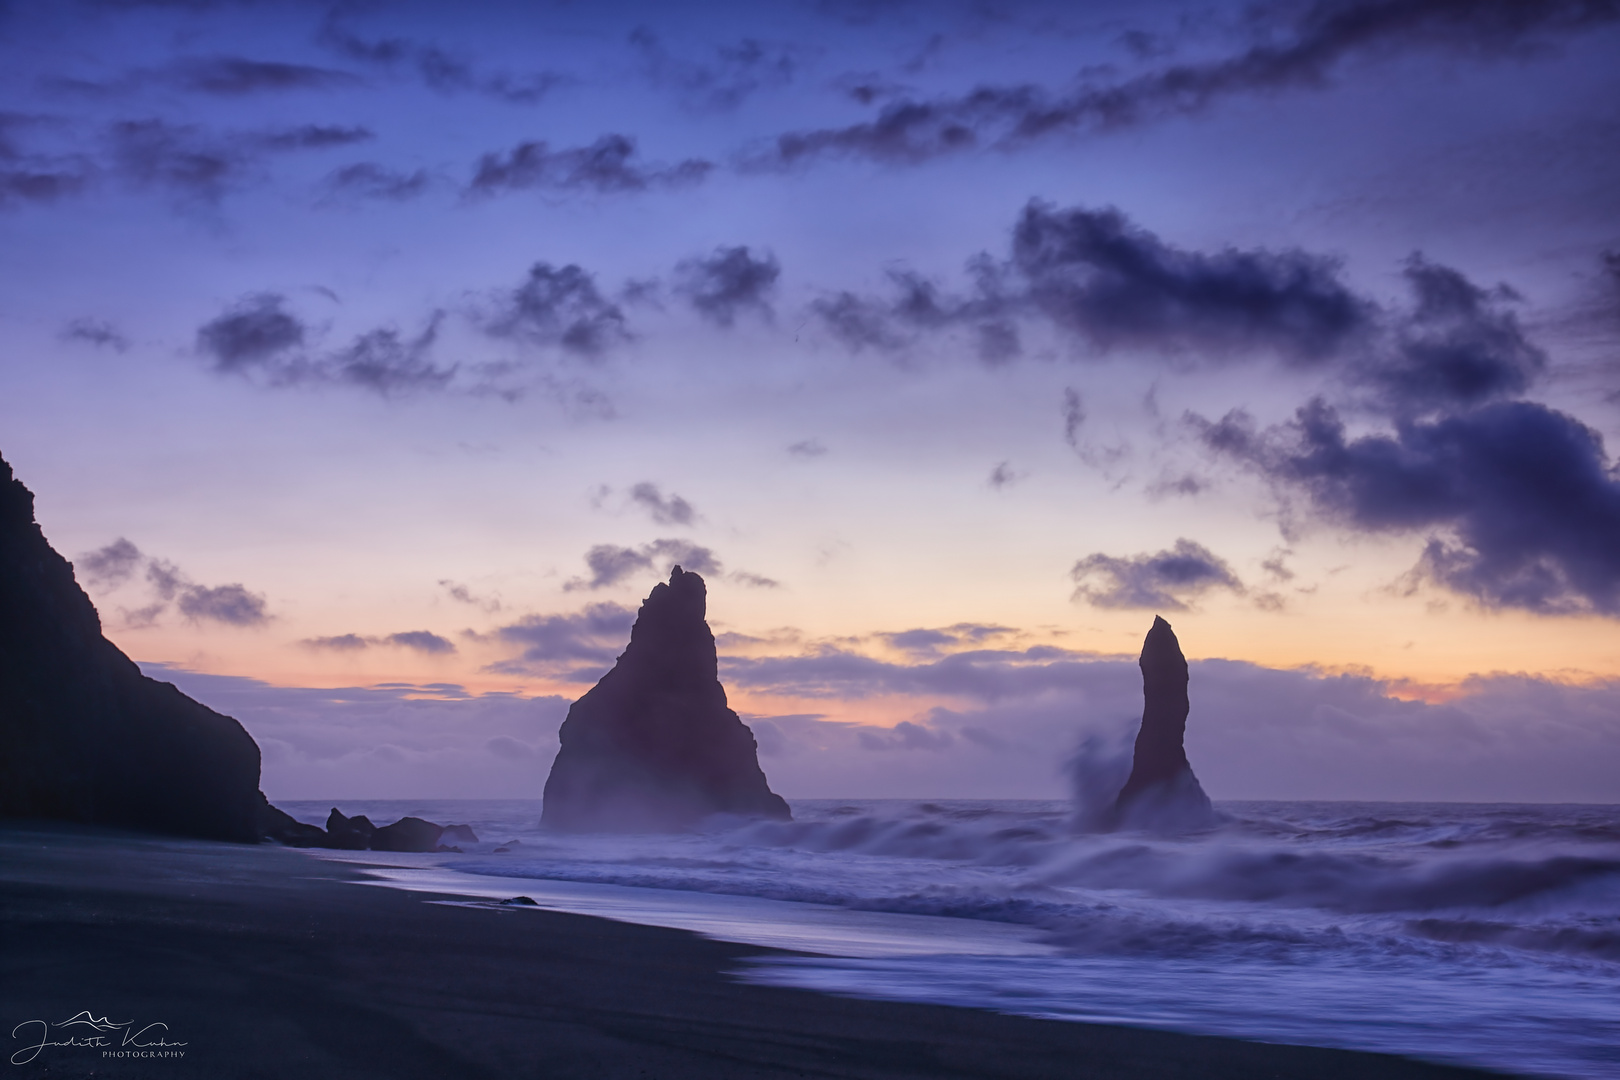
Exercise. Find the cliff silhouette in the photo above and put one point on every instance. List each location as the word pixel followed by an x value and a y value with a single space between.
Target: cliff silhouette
pixel 84 736
pixel 653 746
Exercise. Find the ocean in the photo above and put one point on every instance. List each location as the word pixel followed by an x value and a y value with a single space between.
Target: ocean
pixel 1478 934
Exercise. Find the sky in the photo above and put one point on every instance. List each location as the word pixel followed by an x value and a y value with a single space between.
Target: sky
pixel 371 361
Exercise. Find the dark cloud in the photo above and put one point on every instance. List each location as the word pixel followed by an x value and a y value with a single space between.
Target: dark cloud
pixel 807 448
pixel 386 362
pixel 439 69
pixel 259 336
pixel 368 180
pixel 607 166
pixel 859 323
pixel 1296 48
pixel 231 604
pixel 339 643
pixel 728 282
pixel 731 75
pixel 1460 345
pixel 665 510
pixel 310 137
pixel 1003 476
pixel 610 564
pixel 560 306
pixel 422 641
pixel 154 153
pixel 1074 415
pixel 594 635
pixel 256 331
pixel 1520 500
pixel 35 178
pixel 1105 283
pixel 111 566
pixel 1162 581
pixel 235 76
pixel 462 594
pixel 202 165
pixel 97 332
pixel 1115 284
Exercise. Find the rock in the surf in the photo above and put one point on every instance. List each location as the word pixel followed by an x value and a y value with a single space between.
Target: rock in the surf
pixel 407 834
pixel 1161 789
pixel 84 735
pixel 349 833
pixel 653 746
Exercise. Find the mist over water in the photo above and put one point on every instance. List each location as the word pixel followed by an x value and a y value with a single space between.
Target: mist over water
pixel 1487 934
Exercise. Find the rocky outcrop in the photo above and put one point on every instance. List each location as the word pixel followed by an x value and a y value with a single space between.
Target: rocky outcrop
pixel 84 736
pixel 349 834
pixel 1161 788
pixel 653 745
pixel 359 834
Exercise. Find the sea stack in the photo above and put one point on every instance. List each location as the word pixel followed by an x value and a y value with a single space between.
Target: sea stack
pixel 1162 787
pixel 84 736
pixel 653 746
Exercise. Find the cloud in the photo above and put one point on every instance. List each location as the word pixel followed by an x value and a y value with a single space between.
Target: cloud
pixel 230 604
pixel 551 643
pixel 1115 284
pixel 196 164
pixel 1521 502
pixel 422 641
pixel 728 282
pixel 235 76
pixel 1003 476
pixel 722 83
pixel 339 643
pixel 1460 345
pixel 97 332
pixel 254 332
pixel 1162 581
pixel 440 70
pixel 258 335
pixel 401 740
pixel 807 448
pixel 560 306
pixel 462 594
pixel 1102 282
pixel 369 180
pixel 111 566
pixel 607 166
pixel 610 564
pixel 1298 53
pixel 665 510
pixel 1074 415
pixel 904 736
pixel 1254 732
pixel 384 361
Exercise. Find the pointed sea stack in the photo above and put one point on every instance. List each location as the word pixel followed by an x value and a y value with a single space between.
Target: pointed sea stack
pixel 1162 779
pixel 653 746
pixel 84 736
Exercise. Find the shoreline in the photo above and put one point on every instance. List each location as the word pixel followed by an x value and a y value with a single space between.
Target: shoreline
pixel 265 962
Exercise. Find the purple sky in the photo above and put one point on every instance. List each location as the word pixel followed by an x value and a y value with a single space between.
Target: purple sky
pixel 400 348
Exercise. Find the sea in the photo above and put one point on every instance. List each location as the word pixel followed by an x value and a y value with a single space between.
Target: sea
pixel 1486 935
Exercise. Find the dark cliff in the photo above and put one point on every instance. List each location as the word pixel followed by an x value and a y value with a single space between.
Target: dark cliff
pixel 84 736
pixel 653 745
pixel 1161 777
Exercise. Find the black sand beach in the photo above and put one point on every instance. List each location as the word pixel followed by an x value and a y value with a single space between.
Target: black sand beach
pixel 265 962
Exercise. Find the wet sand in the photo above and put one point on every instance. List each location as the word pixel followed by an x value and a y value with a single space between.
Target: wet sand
pixel 265 962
